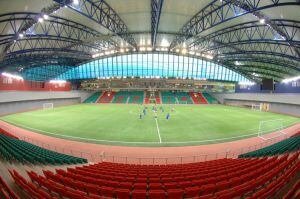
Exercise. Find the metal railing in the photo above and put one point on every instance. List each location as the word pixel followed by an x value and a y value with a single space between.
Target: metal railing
pixel 190 159
pixel 102 156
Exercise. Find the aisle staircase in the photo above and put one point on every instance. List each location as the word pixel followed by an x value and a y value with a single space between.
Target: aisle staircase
pixel 202 99
pixel 194 97
pixel 106 97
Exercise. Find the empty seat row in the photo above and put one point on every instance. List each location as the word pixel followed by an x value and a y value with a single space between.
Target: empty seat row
pixel 256 180
pixel 288 145
pixel 5 191
pixel 294 192
pixel 13 149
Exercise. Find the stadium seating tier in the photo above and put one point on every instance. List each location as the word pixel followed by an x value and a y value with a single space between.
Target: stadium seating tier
pixel 224 178
pixel 93 98
pixel 288 145
pixel 18 150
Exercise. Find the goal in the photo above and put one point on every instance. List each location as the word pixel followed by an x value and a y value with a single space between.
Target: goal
pixel 257 107
pixel 48 106
pixel 269 126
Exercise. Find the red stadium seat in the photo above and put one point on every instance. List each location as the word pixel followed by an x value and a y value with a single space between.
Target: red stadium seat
pixel 123 193
pixel 155 186
pixel 139 194
pixel 107 192
pixel 192 192
pixel 208 189
pixel 157 194
pixel 140 186
pixel 175 193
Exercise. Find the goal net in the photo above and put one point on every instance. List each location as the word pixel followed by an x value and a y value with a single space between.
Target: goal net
pixel 269 126
pixel 257 107
pixel 48 106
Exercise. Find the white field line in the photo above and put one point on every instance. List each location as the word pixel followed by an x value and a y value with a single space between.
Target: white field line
pixel 128 142
pixel 158 130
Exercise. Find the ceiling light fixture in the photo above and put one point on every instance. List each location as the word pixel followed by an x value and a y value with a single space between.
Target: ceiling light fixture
pixel 75 2
pixel 57 81
pixel 247 83
pixel 12 76
pixel 45 16
pixel 41 20
pixel 287 80
pixel 262 21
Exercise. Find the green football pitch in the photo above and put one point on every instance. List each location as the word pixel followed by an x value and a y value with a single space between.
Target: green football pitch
pixel 121 124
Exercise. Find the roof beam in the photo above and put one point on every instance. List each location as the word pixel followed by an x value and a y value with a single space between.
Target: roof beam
pixel 156 6
pixel 28 23
pixel 60 28
pixel 218 12
pixel 285 36
pixel 252 31
pixel 100 12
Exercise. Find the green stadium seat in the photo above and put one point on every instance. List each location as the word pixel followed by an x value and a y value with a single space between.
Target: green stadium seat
pixel 288 145
pixel 17 150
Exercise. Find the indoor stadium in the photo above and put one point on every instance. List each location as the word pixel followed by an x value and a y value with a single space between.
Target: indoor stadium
pixel 149 99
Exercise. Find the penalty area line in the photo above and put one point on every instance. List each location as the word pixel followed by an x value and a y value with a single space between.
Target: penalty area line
pixel 158 130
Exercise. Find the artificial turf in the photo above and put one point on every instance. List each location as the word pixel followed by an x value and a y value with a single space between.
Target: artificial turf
pixel 120 124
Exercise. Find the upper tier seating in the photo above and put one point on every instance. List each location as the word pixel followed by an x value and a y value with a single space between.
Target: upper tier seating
pixel 285 146
pixel 136 97
pixel 14 149
pixel 93 98
pixel 209 98
pixel 8 134
pixel 5 191
pixel 223 178
pixel 183 98
pixel 121 97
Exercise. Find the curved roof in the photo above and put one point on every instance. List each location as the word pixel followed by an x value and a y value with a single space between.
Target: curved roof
pixel 257 38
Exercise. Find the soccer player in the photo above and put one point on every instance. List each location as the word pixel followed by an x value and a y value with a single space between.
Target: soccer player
pixel 141 116
pixel 168 116
pixel 144 111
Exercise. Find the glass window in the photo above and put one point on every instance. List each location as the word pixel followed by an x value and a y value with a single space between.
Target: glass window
pixel 141 64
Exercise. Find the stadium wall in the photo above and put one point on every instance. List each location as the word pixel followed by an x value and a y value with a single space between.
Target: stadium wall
pixel 291 87
pixel 279 103
pixel 13 84
pixel 19 101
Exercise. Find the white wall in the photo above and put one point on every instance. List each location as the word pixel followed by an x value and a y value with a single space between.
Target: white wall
pixel 279 103
pixel 292 98
pixel 14 96
pixel 18 101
